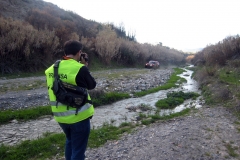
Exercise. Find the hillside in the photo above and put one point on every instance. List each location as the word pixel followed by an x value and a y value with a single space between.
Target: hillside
pixel 19 9
pixel 33 33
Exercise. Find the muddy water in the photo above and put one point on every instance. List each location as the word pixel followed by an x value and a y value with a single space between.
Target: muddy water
pixel 118 112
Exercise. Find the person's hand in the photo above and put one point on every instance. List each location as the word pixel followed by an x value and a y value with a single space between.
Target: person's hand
pixel 84 59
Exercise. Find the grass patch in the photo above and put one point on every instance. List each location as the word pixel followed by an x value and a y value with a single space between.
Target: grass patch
pixel 231 150
pixel 208 96
pixel 219 84
pixel 24 114
pixel 230 76
pixel 107 132
pixel 41 148
pixel 109 98
pixel 174 99
pixel 53 144
pixel 153 118
pixel 170 83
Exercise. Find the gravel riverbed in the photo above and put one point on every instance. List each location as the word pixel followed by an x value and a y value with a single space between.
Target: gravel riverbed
pixel 206 133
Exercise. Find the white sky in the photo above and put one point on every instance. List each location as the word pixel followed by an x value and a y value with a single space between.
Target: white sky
pixel 181 24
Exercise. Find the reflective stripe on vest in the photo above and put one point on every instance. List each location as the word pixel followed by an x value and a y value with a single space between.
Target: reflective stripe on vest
pixel 71 112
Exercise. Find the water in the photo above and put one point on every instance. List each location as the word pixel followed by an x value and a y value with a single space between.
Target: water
pixel 118 112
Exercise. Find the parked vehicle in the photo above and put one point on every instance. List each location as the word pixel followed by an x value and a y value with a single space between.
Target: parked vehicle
pixel 152 64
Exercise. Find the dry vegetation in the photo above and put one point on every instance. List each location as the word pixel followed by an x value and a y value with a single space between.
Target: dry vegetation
pixel 220 53
pixel 33 40
pixel 219 72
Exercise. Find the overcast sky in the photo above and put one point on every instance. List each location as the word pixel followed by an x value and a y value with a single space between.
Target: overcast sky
pixel 181 24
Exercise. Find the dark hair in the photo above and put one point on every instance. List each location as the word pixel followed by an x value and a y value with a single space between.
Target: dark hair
pixel 72 47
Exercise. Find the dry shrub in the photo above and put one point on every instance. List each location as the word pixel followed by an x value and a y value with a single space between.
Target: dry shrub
pixel 234 63
pixel 88 43
pixel 107 44
pixel 23 48
pixel 219 53
pixel 211 71
pixel 130 53
pixel 220 92
pixel 202 77
pixel 205 75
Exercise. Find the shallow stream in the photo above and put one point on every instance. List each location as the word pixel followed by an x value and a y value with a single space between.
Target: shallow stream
pixel 126 110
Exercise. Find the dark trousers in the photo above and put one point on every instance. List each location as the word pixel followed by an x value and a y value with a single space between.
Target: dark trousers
pixel 76 139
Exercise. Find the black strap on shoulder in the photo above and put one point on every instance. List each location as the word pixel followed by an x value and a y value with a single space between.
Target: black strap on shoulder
pixel 56 76
pixel 56 65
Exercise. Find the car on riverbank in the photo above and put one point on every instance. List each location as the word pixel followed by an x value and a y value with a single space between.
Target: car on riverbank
pixel 152 64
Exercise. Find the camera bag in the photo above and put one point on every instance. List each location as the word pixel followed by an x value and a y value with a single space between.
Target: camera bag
pixel 68 94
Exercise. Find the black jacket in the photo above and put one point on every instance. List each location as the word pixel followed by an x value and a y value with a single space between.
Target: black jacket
pixel 84 79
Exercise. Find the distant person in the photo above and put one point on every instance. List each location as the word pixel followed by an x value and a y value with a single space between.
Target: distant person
pixel 75 126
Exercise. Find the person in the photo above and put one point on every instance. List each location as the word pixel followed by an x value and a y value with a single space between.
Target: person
pixel 75 126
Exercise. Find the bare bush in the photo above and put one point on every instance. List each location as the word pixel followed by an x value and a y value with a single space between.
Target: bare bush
pixel 19 42
pixel 107 44
pixel 205 75
pixel 234 63
pixel 220 92
pixel 218 54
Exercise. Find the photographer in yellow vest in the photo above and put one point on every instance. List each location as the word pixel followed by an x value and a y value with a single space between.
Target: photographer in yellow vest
pixel 73 70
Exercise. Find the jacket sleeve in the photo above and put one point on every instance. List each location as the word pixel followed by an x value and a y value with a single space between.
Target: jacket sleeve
pixel 85 79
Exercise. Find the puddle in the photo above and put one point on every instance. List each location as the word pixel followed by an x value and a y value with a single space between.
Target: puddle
pixel 119 112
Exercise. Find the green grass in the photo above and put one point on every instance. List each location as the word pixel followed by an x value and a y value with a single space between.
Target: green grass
pixel 174 99
pixel 231 150
pixel 40 148
pixel 109 98
pixel 156 117
pixel 224 79
pixel 24 114
pixel 230 76
pixel 170 83
pixel 98 137
pixel 52 144
pixel 208 96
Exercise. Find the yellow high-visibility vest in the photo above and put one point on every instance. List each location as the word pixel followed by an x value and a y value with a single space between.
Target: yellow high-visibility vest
pixel 67 72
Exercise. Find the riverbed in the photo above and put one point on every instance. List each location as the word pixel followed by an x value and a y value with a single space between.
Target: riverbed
pixel 128 110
